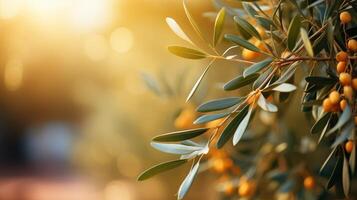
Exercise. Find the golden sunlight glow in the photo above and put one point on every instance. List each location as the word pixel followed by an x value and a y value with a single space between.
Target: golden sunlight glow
pixel 96 47
pixel 10 8
pixel 121 40
pixel 13 75
pixel 91 14
pixel 118 189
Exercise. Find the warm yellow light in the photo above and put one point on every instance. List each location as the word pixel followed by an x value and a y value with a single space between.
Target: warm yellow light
pixel 121 40
pixel 13 75
pixel 96 47
pixel 10 8
pixel 118 190
pixel 89 14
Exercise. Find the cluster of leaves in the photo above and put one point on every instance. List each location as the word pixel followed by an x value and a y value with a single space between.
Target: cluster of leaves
pixel 310 40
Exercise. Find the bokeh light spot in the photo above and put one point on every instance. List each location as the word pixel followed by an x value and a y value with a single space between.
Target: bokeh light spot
pixel 121 40
pixel 96 47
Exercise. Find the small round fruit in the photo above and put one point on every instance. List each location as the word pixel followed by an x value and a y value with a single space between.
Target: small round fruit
pixel 352 45
pixel 309 182
pixel 345 17
pixel 229 189
pixel 249 55
pixel 341 67
pixel 345 79
pixel 354 83
pixel 341 56
pixel 245 189
pixel 349 146
pixel 334 97
pixel 327 105
pixel 348 92
pixel 343 104
pixel 218 165
pixel 335 108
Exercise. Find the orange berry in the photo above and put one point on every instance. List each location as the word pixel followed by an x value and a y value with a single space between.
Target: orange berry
pixel 249 55
pixel 345 78
pixel 348 92
pixel 343 104
pixel 186 118
pixel 345 17
pixel 309 182
pixel 341 67
pixel 218 165
pixel 352 45
pixel 260 45
pixel 245 189
pixel 341 56
pixel 334 97
pixel 354 83
pixel 261 32
pixel 335 108
pixel 228 189
pixel 349 146
pixel 327 105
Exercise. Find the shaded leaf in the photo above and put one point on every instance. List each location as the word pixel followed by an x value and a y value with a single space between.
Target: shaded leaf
pixel 327 161
pixel 240 81
pixel 231 127
pixel 319 80
pixel 187 182
pixel 218 26
pixel 242 127
pixel 241 42
pixel 320 124
pixel 162 167
pixel 352 160
pixel 343 119
pixel 293 32
pixel 219 104
pixel 207 118
pixel 257 67
pixel 180 135
pixel 187 52
pixel 247 27
pixel 345 177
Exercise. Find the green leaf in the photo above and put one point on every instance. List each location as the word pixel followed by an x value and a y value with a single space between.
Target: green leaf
pixel 242 127
pixel 180 135
pixel 241 42
pixel 231 127
pixel 293 32
pixel 240 81
pixel 320 123
pixel 320 80
pixel 336 173
pixel 218 26
pixel 306 41
pixel 344 118
pixel 187 182
pixel 207 118
pixel 346 132
pixel 327 161
pixel 257 67
pixel 247 27
pixel 175 148
pixel 285 87
pixel 265 105
pixel 345 177
pixel 162 167
pixel 187 52
pixel 219 104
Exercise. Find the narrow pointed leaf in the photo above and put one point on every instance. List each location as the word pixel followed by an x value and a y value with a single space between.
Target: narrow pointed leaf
pixel 293 32
pixel 257 67
pixel 327 161
pixel 187 182
pixel 207 118
pixel 285 87
pixel 177 29
pixel 185 52
pixel 265 105
pixel 352 160
pixel 345 177
pixel 240 81
pixel 231 127
pixel 162 167
pixel 218 26
pixel 175 148
pixel 247 27
pixel 320 124
pixel 180 135
pixel 241 128
pixel 307 43
pixel 343 119
pixel 241 42
pixel 219 104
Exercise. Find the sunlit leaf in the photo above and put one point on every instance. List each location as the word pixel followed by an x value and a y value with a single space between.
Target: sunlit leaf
pixel 218 26
pixel 242 127
pixel 177 29
pixel 180 135
pixel 187 52
pixel 187 182
pixel 265 105
pixel 219 104
pixel 306 41
pixel 175 148
pixel 257 67
pixel 293 32
pixel 285 87
pixel 162 167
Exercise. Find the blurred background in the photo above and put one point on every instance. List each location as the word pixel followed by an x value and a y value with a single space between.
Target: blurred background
pixel 84 85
